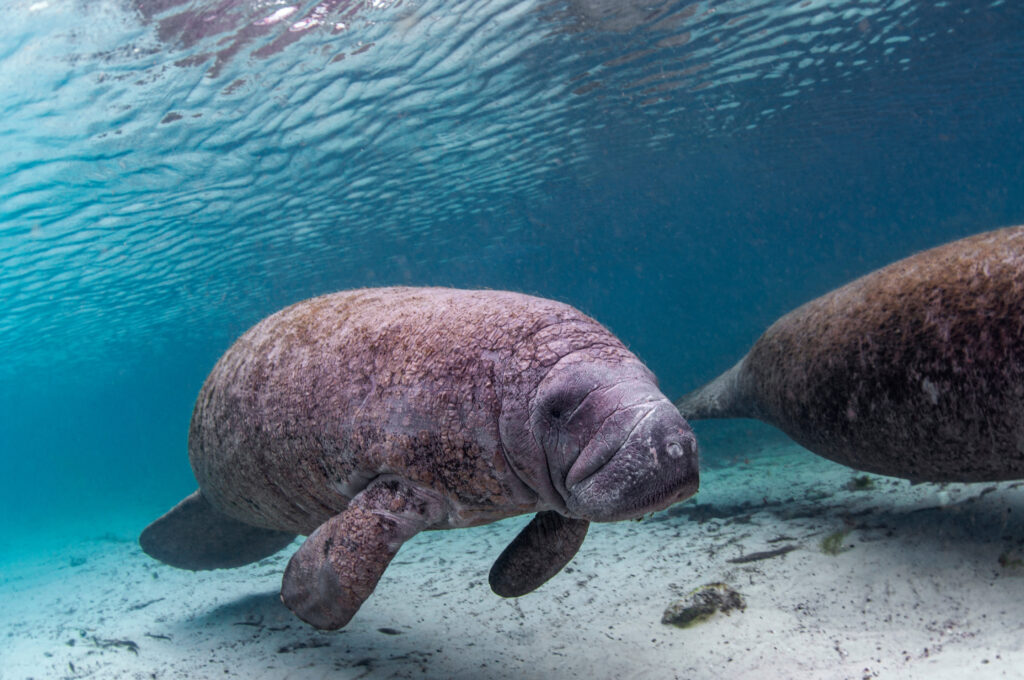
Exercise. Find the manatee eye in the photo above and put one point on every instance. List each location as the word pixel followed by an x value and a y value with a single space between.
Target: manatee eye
pixel 560 403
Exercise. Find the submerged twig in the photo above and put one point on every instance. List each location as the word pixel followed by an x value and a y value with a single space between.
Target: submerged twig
pixel 764 555
pixel 103 643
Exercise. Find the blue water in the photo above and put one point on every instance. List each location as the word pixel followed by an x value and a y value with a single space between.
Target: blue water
pixel 684 172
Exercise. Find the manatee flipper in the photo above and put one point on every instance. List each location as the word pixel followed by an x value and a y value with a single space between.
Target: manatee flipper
pixel 541 549
pixel 339 565
pixel 193 535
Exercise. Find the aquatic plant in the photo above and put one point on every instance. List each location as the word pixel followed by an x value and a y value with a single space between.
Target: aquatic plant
pixel 833 543
pixel 701 604
pixel 1009 560
pixel 862 483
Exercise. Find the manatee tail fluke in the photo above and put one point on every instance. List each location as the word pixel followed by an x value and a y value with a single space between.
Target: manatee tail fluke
pixel 193 535
pixel 723 397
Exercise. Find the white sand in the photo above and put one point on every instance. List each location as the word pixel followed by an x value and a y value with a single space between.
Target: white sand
pixel 920 593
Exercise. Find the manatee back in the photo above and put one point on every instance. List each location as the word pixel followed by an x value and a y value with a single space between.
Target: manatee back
pixel 318 399
pixel 915 370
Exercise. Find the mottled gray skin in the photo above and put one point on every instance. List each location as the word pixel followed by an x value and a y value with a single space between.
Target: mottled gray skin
pixel 915 370
pixel 363 417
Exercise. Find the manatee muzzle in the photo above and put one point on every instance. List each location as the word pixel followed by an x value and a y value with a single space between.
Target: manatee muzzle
pixel 609 439
pixel 642 459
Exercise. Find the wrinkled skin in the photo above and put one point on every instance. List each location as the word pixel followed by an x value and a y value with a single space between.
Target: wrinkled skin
pixel 363 417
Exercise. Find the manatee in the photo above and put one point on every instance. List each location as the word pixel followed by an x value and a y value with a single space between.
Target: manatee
pixel 363 417
pixel 915 370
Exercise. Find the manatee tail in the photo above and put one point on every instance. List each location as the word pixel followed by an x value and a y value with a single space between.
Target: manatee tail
pixel 193 535
pixel 724 397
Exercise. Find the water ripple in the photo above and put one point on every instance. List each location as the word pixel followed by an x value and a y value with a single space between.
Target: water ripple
pixel 168 167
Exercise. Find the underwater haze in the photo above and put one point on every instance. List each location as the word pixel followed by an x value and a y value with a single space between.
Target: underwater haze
pixel 172 171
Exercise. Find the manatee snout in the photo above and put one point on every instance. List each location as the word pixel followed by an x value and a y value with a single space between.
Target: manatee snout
pixel 641 460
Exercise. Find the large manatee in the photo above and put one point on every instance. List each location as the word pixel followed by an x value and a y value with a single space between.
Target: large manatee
pixel 363 417
pixel 915 370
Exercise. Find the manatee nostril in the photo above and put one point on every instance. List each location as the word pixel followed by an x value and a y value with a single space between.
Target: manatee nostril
pixel 675 450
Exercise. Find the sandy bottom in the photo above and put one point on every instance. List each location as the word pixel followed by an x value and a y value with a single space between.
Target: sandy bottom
pixel 928 583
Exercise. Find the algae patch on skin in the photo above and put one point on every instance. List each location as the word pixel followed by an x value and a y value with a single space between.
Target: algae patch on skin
pixel 701 604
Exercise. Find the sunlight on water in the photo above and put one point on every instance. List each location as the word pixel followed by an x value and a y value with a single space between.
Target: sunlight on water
pixel 159 161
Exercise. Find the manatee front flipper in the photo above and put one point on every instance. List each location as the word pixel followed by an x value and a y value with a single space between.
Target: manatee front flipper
pixel 193 535
pixel 339 565
pixel 539 552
